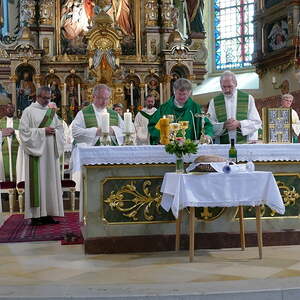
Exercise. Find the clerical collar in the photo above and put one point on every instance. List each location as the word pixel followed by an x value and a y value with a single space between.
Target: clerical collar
pixel 99 110
pixel 177 104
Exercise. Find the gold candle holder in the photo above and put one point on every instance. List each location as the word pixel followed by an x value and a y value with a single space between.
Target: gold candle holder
pixel 105 139
pixel 128 141
pixel 163 126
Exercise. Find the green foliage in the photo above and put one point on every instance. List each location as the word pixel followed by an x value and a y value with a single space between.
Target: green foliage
pixel 180 147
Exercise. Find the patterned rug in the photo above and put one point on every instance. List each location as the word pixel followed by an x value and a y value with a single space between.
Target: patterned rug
pixel 16 229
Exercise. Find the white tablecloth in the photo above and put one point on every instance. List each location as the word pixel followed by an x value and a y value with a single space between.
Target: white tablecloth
pixel 86 155
pixel 220 190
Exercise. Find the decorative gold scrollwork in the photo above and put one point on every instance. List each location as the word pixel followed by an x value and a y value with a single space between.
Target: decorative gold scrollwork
pixel 289 194
pixel 130 207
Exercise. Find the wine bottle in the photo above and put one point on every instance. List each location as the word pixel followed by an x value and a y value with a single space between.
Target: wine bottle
pixel 232 152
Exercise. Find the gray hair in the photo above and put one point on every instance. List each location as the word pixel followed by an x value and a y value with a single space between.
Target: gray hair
pixel 118 105
pixel 228 74
pixel 43 89
pixel 100 87
pixel 182 84
pixel 287 96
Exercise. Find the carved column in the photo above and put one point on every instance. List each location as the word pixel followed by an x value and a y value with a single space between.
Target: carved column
pixel 142 87
pixel 13 85
pixel 27 12
pixel 167 10
pixel 151 13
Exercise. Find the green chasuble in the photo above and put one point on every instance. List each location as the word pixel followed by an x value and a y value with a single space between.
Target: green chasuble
pixel 185 113
pixel 14 149
pixel 90 118
pixel 241 114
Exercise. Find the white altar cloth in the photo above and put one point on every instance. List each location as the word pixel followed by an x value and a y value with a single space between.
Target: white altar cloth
pixel 104 155
pixel 220 190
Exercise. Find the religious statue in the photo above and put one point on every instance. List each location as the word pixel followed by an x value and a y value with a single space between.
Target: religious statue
pixel 195 15
pixel 25 92
pixel 55 93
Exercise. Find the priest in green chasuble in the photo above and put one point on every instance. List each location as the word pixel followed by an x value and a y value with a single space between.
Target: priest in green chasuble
pixel 183 108
pixel 42 137
pixel 89 123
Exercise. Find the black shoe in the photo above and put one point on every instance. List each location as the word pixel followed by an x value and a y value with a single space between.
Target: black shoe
pixel 49 220
pixel 36 222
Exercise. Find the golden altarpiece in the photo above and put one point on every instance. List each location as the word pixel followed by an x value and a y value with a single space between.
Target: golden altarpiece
pixel 134 46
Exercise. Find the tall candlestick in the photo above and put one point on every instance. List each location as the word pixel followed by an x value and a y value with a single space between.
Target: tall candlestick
pixel 127 121
pixel 65 94
pixel 131 94
pixel 104 122
pixel 79 95
pixel 146 89
pixel 161 93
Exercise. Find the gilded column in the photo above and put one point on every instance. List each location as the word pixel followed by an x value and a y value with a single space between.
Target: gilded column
pixel 13 79
pixel 142 87
pixel 27 12
pixel 151 13
pixel 167 13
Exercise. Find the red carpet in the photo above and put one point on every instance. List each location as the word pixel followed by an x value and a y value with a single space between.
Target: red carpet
pixel 17 229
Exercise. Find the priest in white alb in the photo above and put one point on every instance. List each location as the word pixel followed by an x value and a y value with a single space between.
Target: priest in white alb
pixel 233 113
pixel 42 137
pixel 141 121
pixel 10 145
pixel 95 119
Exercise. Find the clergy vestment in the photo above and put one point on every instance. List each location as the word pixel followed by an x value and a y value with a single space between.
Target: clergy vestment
pixel 86 122
pixel 239 106
pixel 43 192
pixel 185 113
pixel 10 149
pixel 141 122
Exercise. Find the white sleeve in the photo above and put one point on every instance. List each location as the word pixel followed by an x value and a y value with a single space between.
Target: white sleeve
pixel 81 134
pixel 217 126
pixel 250 126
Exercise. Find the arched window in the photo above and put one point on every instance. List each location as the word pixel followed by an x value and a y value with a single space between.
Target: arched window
pixel 5 16
pixel 233 33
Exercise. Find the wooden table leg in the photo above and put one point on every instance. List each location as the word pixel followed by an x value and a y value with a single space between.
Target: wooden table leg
pixel 178 230
pixel 259 231
pixel 192 233
pixel 242 228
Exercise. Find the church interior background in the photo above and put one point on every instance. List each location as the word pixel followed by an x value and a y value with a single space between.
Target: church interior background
pixel 142 47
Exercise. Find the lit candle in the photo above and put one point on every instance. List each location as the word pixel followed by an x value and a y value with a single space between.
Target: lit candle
pixel 131 94
pixel 146 89
pixel 161 93
pixel 65 94
pixel 79 95
pixel 273 79
pixel 104 124
pixel 49 85
pixel 127 121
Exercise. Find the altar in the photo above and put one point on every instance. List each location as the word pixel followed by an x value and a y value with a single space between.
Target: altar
pixel 121 199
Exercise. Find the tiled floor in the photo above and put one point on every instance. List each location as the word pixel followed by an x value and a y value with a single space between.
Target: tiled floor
pixel 50 263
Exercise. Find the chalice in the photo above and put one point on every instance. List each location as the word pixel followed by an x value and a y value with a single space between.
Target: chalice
pixel 184 125
pixel 174 128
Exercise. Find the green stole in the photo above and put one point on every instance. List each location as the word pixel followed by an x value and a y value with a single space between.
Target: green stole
pixel 90 118
pixel 14 150
pixel 34 164
pixel 144 114
pixel 241 114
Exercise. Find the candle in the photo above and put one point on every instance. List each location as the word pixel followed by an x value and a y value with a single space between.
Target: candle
pixel 273 79
pixel 127 121
pixel 146 89
pixel 49 85
pixel 161 93
pixel 65 94
pixel 79 95
pixel 104 124
pixel 131 94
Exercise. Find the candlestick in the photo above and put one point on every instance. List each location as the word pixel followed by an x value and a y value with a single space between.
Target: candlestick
pixel 146 89
pixel 79 95
pixel 161 93
pixel 127 121
pixel 131 93
pixel 105 122
pixel 273 79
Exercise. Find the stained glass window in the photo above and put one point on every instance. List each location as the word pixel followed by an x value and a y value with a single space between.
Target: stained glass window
pixel 233 33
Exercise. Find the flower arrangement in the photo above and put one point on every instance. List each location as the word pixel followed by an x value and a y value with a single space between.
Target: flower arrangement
pixel 180 147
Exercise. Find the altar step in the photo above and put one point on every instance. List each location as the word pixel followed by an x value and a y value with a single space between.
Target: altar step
pixel 268 289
